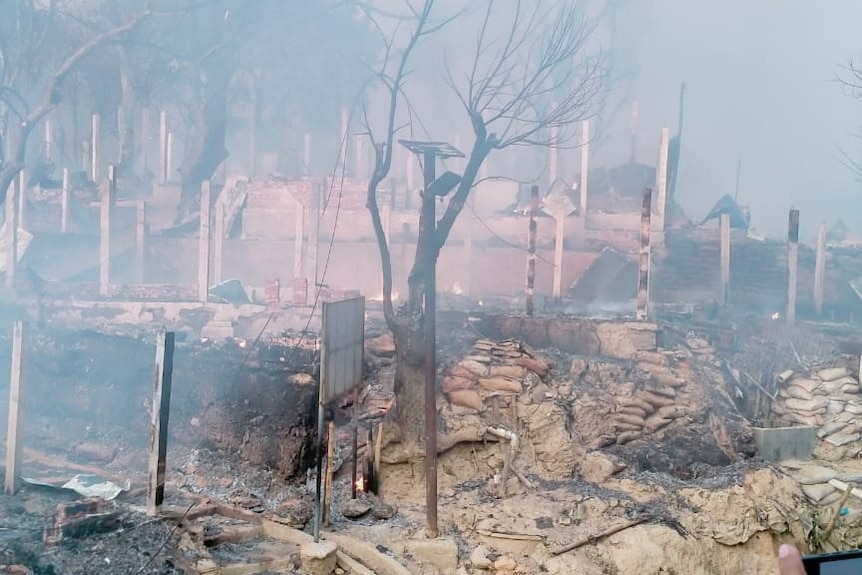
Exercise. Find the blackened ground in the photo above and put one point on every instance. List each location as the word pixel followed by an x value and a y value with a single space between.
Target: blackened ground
pixel 86 398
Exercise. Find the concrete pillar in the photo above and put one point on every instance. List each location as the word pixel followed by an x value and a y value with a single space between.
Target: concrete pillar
pixel 13 429
pixel 204 245
pixel 105 205
pixel 313 238
pixel 160 418
pixel 64 202
pixel 661 180
pixel 163 148
pixel 644 263
pixel 299 240
pixel 218 248
pixel 306 155
pixel 792 263
pixel 49 141
pixel 559 246
pixel 11 234
pixel 553 154
pixel 820 270
pixel 724 249
pixel 145 140
pixel 360 171
pixel 95 148
pixel 22 200
pixel 140 239
pixel 169 157
pixel 585 166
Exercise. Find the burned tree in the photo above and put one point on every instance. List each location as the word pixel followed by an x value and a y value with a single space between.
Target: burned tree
pixel 538 73
pixel 850 78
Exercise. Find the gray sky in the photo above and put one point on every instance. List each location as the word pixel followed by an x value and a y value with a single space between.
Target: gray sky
pixel 760 79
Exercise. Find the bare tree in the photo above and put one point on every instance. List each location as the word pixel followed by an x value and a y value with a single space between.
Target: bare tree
pixel 28 118
pixel 537 74
pixel 850 78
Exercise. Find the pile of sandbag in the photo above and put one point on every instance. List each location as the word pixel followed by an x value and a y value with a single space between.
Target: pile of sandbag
pixel 829 399
pixel 650 408
pixel 494 369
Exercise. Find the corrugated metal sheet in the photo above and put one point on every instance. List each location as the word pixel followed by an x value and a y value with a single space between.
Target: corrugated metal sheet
pixel 342 344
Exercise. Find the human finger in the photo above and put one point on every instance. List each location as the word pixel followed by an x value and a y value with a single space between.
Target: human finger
pixel 790 561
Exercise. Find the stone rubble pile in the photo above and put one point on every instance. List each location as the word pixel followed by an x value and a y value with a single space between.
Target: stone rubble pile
pixel 828 399
pixel 494 369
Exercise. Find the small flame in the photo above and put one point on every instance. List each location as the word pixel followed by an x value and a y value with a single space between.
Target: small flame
pixel 776 316
pixel 481 303
pixel 360 485
pixel 456 288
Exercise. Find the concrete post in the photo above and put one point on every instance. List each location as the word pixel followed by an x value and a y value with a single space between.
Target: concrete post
pixel 11 234
pixel 13 430
pixel 105 205
pixel 163 148
pixel 204 245
pixel 724 239
pixel 169 157
pixel 553 153
pixel 531 249
pixel 64 202
pixel 559 247
pixel 95 148
pixel 306 155
pixel 792 263
pixel 49 141
pixel 661 180
pixel 820 270
pixel 361 160
pixel 585 166
pixel 299 240
pixel 313 237
pixel 140 239
pixel 22 200
pixel 218 248
pixel 644 263
pixel 145 140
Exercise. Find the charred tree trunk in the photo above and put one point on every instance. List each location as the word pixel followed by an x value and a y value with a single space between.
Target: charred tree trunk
pixel 208 149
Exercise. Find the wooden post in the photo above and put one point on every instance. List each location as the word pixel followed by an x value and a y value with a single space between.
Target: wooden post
pixel 330 472
pixel 140 238
pixel 145 140
pixel 558 255
pixel 820 270
pixel 22 200
pixel 64 202
pixel 163 148
pixel 49 141
pixel 13 446
pixel 306 155
pixel 105 205
pixel 204 245
pixel 160 416
pixel 299 240
pixel 661 179
pixel 218 247
pixel 531 249
pixel 792 263
pixel 553 153
pixel 11 234
pixel 585 166
pixel 169 157
pixel 644 264
pixel 94 149
pixel 724 250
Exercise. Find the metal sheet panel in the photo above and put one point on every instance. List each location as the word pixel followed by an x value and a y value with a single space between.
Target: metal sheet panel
pixel 342 345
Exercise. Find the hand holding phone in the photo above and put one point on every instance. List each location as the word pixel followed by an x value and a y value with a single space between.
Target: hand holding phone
pixel 841 563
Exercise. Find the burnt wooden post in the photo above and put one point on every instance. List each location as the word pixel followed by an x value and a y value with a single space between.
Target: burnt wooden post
pixel 163 148
pixel 724 240
pixel 204 245
pixel 820 270
pixel 661 180
pixel 531 249
pixel 95 148
pixel 644 264
pixel 585 165
pixel 105 205
pixel 64 202
pixel 13 446
pixel 792 263
pixel 11 233
pixel 160 415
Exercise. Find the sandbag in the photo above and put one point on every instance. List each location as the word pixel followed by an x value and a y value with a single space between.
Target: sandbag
pixel 807 384
pixel 853 408
pixel 620 426
pixel 663 391
pixel 654 424
pixel 510 371
pixel 835 407
pixel 501 384
pixel 852 388
pixel 842 439
pixel 834 386
pixel 454 383
pixel 832 373
pixel 475 367
pixel 672 412
pixel 654 399
pixel 797 392
pixel 466 398
pixel 630 419
pixel 831 428
pixel 636 411
pixel 628 436
pixel 636 402
pixel 818 402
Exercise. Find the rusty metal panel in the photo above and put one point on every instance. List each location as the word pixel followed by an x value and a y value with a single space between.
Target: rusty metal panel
pixel 342 345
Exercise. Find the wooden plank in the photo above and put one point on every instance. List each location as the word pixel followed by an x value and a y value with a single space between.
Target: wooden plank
pixel 13 446
pixel 160 416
